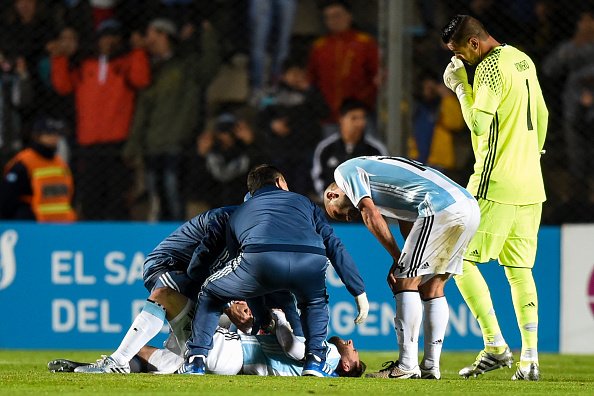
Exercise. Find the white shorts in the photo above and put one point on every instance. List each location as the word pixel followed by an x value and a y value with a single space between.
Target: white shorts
pixel 225 358
pixel 165 361
pixel 436 244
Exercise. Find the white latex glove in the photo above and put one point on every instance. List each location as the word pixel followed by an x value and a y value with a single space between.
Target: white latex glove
pixel 362 307
pixel 455 77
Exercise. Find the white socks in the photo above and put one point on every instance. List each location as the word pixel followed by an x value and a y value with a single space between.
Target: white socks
pixel 181 325
pixel 146 325
pixel 409 313
pixel 435 322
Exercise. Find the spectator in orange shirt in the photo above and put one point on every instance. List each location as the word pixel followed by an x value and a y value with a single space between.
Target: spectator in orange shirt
pixel 344 63
pixel 104 86
pixel 37 183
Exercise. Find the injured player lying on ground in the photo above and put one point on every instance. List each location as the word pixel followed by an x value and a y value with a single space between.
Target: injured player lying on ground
pixel 279 353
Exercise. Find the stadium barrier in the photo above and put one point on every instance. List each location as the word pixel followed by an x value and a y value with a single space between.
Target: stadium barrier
pixel 79 286
pixel 577 285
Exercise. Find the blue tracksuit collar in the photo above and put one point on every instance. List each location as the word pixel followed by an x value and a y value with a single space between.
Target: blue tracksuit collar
pixel 265 189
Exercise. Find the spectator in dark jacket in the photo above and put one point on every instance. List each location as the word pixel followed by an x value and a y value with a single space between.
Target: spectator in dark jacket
pixel 350 142
pixel 229 150
pixel 290 117
pixel 16 92
pixel 24 32
pixel 168 112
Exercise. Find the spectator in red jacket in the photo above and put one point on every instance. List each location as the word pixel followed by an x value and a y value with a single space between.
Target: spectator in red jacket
pixel 104 86
pixel 344 63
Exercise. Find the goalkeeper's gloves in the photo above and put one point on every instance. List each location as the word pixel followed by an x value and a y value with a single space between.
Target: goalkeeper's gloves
pixel 362 307
pixel 455 77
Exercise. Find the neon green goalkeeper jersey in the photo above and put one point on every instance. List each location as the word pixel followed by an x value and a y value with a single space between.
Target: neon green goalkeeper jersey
pixel 507 156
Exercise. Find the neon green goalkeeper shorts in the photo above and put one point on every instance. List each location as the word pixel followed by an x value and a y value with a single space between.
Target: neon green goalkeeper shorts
pixel 507 233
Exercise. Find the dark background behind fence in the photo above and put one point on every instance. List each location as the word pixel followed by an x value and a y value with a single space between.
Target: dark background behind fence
pixel 170 102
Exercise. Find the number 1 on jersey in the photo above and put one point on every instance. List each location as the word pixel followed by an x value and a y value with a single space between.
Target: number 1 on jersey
pixel 528 116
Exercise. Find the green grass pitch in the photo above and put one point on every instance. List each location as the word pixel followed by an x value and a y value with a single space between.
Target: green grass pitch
pixel 25 372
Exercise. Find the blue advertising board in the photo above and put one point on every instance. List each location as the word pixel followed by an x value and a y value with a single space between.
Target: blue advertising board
pixel 463 332
pixel 79 286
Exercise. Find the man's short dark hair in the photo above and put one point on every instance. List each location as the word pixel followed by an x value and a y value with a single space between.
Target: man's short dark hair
pixel 461 28
pixel 356 371
pixel 350 104
pixel 262 175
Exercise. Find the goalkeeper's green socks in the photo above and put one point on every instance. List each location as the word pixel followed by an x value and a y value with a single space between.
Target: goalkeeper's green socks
pixel 525 299
pixel 476 293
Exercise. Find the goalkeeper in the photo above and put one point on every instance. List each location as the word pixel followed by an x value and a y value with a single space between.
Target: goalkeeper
pixel 507 115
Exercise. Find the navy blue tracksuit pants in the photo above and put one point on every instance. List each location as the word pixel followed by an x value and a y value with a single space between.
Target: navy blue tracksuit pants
pixel 255 274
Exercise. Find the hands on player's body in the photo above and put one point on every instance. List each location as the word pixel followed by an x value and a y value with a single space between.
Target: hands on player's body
pixel 405 227
pixel 378 226
pixel 350 364
pixel 240 315
pixel 391 279
pixel 376 223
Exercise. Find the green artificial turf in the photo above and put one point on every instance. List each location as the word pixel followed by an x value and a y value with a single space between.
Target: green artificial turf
pixel 25 372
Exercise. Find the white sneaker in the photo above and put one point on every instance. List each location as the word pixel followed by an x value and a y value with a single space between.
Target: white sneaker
pixel 486 361
pixel 393 370
pixel 430 373
pixel 530 373
pixel 64 365
pixel 105 365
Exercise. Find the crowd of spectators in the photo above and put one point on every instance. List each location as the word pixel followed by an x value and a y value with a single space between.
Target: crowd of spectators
pixel 130 81
pixel 559 38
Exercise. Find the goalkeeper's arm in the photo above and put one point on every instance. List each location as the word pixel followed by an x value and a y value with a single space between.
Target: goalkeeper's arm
pixel 477 120
pixel 542 121
pixel 456 79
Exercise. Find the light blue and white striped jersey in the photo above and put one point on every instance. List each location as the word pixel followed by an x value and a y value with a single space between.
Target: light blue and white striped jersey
pixel 263 355
pixel 399 187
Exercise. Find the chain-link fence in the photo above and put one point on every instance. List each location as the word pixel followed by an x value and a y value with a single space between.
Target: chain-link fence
pixel 168 103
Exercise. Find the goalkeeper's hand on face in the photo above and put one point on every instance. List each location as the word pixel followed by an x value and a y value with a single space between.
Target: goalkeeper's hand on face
pixel 362 308
pixel 455 77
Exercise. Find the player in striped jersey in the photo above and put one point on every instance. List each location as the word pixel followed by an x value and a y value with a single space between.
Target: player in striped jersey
pixel 173 275
pixel 507 115
pixel 278 354
pixel 437 217
pixel 284 243
pixel 171 290
pixel 284 354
